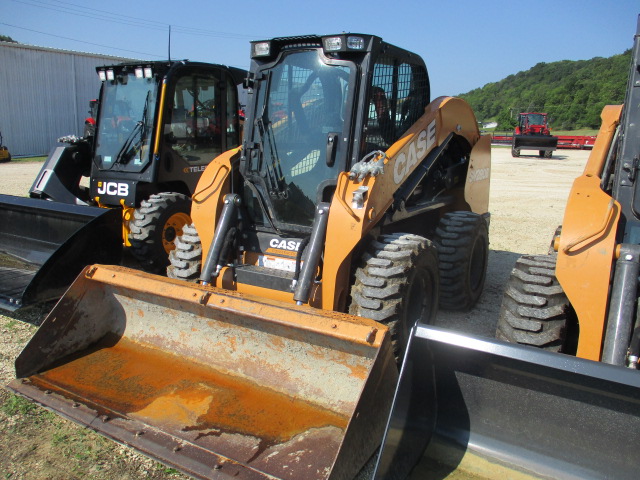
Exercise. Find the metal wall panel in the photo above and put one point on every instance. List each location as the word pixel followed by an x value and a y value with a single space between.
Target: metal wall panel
pixel 45 94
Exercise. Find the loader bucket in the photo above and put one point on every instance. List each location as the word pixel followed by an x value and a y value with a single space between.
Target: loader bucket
pixel 489 409
pixel 215 383
pixel 542 143
pixel 44 245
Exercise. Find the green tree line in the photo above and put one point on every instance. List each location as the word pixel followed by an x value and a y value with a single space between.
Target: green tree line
pixel 573 93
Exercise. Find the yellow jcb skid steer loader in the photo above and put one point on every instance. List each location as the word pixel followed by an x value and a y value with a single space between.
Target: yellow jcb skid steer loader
pixel 347 195
pixel 158 125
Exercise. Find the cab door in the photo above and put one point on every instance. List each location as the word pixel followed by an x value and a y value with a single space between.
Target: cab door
pixel 200 122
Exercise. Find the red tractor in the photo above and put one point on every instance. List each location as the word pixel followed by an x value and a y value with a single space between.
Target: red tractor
pixel 532 133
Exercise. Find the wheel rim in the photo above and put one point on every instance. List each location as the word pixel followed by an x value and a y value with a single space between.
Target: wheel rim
pixel 173 229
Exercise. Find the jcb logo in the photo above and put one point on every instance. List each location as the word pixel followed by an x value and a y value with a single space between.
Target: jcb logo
pixel 113 188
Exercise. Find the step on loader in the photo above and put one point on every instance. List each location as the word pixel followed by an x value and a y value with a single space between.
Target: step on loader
pixel 346 196
pixel 157 125
pixel 582 298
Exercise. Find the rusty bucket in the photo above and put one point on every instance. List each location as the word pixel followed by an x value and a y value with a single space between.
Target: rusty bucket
pixel 214 383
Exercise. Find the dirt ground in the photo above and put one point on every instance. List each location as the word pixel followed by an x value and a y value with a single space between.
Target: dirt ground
pixel 528 195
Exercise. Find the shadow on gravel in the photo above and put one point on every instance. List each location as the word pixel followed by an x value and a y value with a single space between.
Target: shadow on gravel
pixel 34 315
pixel 483 317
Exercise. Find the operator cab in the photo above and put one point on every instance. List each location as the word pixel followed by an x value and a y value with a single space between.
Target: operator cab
pixel 307 128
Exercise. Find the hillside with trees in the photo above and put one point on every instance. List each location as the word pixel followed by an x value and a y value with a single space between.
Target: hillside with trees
pixel 571 92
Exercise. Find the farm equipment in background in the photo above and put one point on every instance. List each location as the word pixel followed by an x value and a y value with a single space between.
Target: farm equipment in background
pixel 90 121
pixel 158 125
pixel 346 196
pixel 569 142
pixel 533 133
pixel 5 156
pixel 584 299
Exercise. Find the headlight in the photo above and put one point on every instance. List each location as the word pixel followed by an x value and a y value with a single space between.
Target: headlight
pixel 343 43
pixel 332 44
pixel 261 49
pixel 355 43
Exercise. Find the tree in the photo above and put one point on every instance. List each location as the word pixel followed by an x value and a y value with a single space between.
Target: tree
pixel 505 120
pixel 6 38
pixel 571 92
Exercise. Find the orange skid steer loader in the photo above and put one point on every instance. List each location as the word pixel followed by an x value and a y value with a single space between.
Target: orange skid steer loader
pixel 352 192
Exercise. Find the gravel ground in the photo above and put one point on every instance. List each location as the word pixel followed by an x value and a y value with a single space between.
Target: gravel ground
pixel 527 200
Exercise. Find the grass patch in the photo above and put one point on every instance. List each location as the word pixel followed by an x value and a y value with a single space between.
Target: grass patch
pixel 28 159
pixel 16 405
pixel 168 470
pixel 11 325
pixel 584 131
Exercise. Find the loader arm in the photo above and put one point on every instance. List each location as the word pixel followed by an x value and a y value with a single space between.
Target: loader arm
pixel 351 219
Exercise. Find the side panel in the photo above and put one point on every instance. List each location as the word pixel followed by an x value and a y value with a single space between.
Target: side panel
pixel 587 243
pixel 476 190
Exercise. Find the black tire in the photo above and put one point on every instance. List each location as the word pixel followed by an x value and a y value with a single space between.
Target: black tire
pixel 515 152
pixel 535 310
pixel 186 259
pixel 548 154
pixel 463 249
pixel 154 228
pixel 397 284
pixel 541 153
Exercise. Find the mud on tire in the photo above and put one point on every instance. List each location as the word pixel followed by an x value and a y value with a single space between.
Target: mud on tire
pixel 463 251
pixel 186 259
pixel 535 310
pixel 155 226
pixel 397 284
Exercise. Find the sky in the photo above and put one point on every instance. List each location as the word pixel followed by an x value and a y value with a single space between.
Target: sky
pixel 465 44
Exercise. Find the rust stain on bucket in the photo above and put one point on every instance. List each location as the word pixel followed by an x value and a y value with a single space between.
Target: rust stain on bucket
pixel 164 390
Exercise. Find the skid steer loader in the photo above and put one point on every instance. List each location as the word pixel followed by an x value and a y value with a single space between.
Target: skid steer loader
pixel 583 300
pixel 348 194
pixel 158 125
